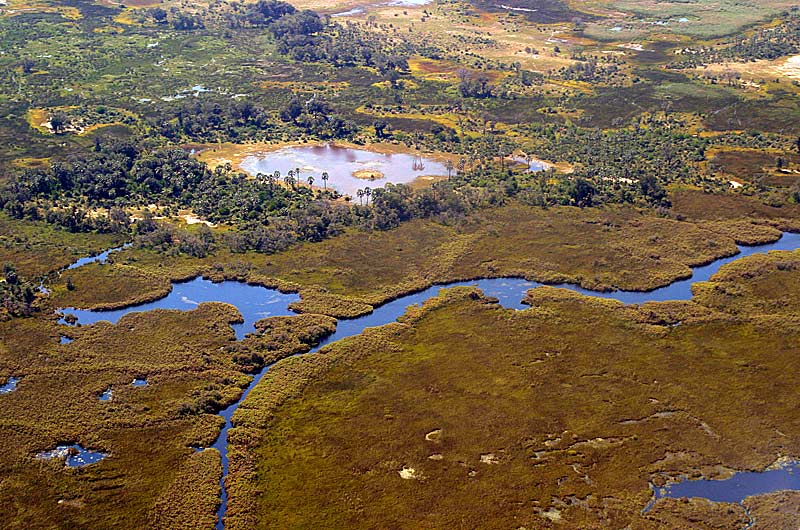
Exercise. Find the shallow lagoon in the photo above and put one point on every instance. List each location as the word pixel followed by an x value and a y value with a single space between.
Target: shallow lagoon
pixel 254 302
pixel 341 163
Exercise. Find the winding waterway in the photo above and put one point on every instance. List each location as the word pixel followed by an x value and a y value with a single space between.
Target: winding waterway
pixel 255 303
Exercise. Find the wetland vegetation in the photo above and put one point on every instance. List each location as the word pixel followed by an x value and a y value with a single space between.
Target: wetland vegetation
pixel 273 177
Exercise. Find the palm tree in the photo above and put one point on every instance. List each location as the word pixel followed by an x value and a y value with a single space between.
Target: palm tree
pixel 360 194
pixel 367 192
pixel 297 173
pixel 449 167
pixel 325 178
pixel 310 181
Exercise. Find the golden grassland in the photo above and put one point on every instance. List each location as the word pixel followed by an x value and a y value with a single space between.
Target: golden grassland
pixel 746 165
pixel 562 413
pixel 36 248
pixel 152 477
pixel 510 37
pixel 699 207
pixel 182 356
pixel 19 7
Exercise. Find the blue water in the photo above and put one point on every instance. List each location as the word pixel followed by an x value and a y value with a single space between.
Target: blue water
pixel 83 457
pixel 255 303
pixel 139 382
pixel 107 394
pixel 97 258
pixel 736 488
pixel 10 385
pixel 65 340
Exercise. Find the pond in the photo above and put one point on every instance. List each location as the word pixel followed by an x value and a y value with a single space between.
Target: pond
pixel 734 489
pixel 74 455
pixel 344 165
pixel 9 386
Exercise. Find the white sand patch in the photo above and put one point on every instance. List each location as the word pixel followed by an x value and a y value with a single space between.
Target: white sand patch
pixel 791 68
pixel 436 456
pixel 489 458
pixel 434 436
pixel 409 473
pixel 552 514
pixel 735 184
pixel 194 220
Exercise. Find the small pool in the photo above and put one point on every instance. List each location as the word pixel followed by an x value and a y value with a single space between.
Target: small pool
pixel 74 455
pixel 10 385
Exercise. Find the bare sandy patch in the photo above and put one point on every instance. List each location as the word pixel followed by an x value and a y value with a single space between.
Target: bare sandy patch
pixel 368 174
pixel 409 473
pixel 434 436
pixel 791 67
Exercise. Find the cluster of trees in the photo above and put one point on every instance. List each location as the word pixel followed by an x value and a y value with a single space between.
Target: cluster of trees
pixel 639 159
pixel 317 118
pixel 270 211
pixel 179 20
pixel 767 43
pixel 16 294
pixel 590 71
pixel 306 36
pixel 474 86
pixel 202 120
pixel 205 121
pixel 116 174
pixel 166 237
